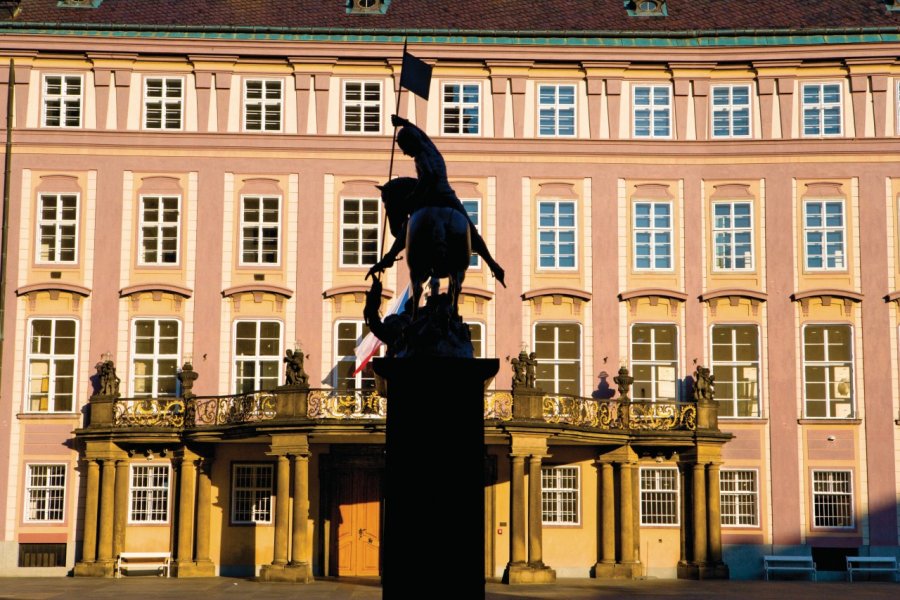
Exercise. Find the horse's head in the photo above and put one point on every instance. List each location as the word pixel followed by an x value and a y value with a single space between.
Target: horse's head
pixel 395 194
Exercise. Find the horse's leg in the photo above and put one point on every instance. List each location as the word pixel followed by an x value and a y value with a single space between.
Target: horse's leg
pixel 416 294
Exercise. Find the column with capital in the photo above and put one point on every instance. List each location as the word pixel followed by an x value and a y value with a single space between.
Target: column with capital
pixel 626 516
pixel 282 501
pixel 517 554
pixel 203 565
pixel 107 499
pixel 187 478
pixel 714 522
pixel 292 537
pixel 606 567
pixel 121 507
pixel 85 568
pixel 699 505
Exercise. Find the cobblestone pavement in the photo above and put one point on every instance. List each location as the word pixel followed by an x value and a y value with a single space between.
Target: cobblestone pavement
pixel 139 588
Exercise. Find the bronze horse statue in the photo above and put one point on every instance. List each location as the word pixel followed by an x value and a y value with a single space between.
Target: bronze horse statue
pixel 436 238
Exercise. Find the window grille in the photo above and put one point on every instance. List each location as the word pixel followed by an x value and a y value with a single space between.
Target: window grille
pixel 251 494
pixel 832 499
pixel 559 495
pixel 149 494
pixel 659 496
pixel 45 493
pixel 739 497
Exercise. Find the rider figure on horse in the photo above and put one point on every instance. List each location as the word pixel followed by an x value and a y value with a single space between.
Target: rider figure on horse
pixel 432 189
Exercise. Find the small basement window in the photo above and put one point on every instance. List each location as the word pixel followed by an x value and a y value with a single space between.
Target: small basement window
pixel 42 555
pixel 646 8
pixel 367 7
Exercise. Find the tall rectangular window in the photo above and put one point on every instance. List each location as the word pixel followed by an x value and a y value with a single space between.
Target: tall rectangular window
pixel 149 500
pixel 558 349
pixel 45 493
pixel 262 104
pixel 559 495
pixel 654 362
pixel 828 371
pixel 461 108
pixel 832 499
pixel 821 109
pixel 823 235
pixel 257 355
pixel 733 235
pixel 476 334
pixel 52 345
pixel 735 365
pixel 652 111
pixel 251 494
pixel 154 359
pixel 659 496
pixel 160 230
pixel 652 236
pixel 359 231
pixel 260 228
pixel 556 110
pixel 57 228
pixel 556 234
pixel 348 335
pixel 739 493
pixel 62 101
pixel 163 102
pixel 362 107
pixel 731 111
pixel 473 209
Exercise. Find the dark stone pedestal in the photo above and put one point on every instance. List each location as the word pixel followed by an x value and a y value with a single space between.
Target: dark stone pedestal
pixel 434 476
pixel 100 568
pixel 293 573
pixel 617 570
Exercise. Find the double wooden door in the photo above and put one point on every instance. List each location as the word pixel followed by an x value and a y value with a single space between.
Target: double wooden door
pixel 356 522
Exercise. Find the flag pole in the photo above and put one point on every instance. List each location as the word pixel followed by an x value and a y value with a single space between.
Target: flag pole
pixel 393 147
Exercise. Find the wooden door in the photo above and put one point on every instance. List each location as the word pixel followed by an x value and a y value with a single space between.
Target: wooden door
pixel 357 515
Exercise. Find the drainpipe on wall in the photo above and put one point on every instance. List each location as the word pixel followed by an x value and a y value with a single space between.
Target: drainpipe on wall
pixel 4 228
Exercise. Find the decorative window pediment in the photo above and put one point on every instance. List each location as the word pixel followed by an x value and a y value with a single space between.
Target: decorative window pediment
pixel 367 7
pixel 646 8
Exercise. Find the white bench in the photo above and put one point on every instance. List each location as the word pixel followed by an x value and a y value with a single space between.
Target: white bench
pixel 871 564
pixel 157 562
pixel 791 564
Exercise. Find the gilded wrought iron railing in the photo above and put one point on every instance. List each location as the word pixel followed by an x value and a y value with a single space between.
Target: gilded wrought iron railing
pixel 346 404
pixel 227 410
pixel 149 412
pixel 498 405
pixel 613 414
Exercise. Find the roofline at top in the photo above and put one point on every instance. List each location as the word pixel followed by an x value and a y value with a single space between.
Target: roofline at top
pixel 698 37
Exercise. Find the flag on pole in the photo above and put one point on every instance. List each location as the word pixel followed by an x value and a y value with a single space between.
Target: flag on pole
pixel 370 344
pixel 415 75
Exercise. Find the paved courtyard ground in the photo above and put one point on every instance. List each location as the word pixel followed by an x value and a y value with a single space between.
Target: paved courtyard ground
pixel 139 588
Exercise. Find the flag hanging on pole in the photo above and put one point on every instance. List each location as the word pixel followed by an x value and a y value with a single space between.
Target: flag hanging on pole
pixel 370 344
pixel 415 75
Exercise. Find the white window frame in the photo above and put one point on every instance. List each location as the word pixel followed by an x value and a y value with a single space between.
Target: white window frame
pixel 360 227
pixel 362 104
pixel 821 107
pixel 58 223
pixel 824 230
pixel 167 104
pixel 651 109
pixel 48 494
pixel 654 363
pixel 461 107
pixel 737 364
pixel 556 111
pixel 265 105
pixel 555 498
pixel 831 492
pixel 154 356
pixel 475 260
pixel 149 493
pixel 556 361
pixel 257 358
pixel 652 230
pixel 669 520
pixel 159 227
pixel 830 386
pixel 732 231
pixel 737 495
pixel 53 358
pixel 479 326
pixel 360 382
pixel 258 494
pixel 65 100
pixel 557 231
pixel 729 109
pixel 259 227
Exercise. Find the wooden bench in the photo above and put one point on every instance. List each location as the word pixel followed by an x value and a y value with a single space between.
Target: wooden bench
pixel 789 564
pixel 157 562
pixel 871 564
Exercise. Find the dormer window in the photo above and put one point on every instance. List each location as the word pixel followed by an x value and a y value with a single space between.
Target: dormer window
pixel 367 7
pixel 78 3
pixel 646 8
pixel 892 5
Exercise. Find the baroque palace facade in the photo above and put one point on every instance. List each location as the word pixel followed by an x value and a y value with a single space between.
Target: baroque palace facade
pixel 190 193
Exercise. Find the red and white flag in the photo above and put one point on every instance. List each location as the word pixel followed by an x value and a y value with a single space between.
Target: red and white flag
pixel 370 344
